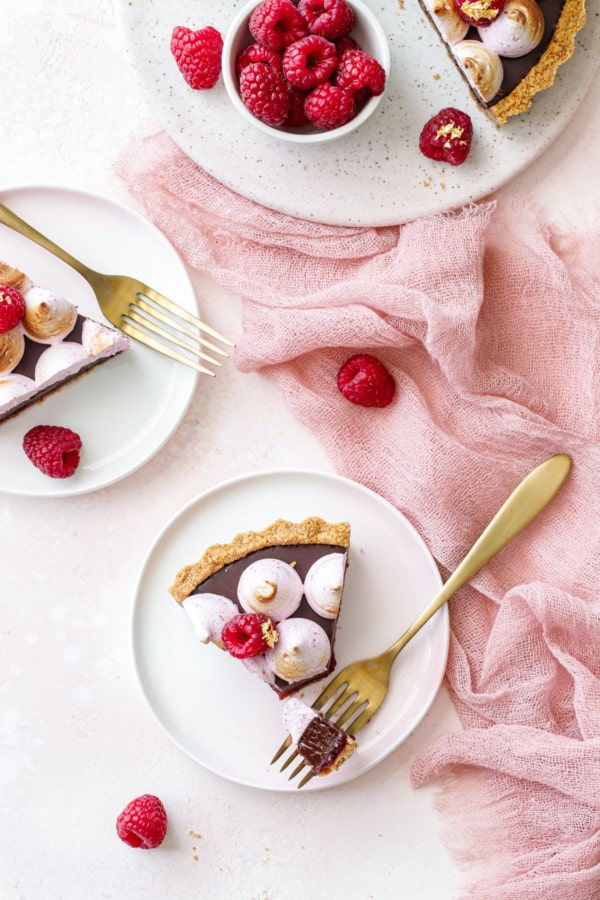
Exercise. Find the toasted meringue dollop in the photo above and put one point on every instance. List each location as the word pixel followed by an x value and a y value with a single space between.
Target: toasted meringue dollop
pixel 12 347
pixel 14 386
pixel 270 586
pixel 258 666
pixel 209 613
pixel 58 358
pixel 47 318
pixel 296 717
pixel 482 67
pixel 517 31
pixel 323 584
pixel 453 28
pixel 302 651
pixel 95 338
pixel 14 277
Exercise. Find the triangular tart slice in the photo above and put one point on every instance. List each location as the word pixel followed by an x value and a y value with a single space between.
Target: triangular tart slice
pixel 50 346
pixel 515 50
pixel 271 598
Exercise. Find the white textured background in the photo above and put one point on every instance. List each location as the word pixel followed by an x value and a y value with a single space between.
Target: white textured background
pixel 76 741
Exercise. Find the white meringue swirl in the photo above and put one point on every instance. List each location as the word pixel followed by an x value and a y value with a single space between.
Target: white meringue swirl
pixel 270 586
pixel 96 338
pixel 12 348
pixel 209 613
pixel 58 359
pixel 14 386
pixel 323 584
pixel 302 651
pixel 517 31
pixel 482 67
pixel 296 717
pixel 452 27
pixel 47 318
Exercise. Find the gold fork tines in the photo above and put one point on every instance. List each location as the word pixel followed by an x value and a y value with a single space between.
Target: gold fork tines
pixel 358 691
pixel 139 310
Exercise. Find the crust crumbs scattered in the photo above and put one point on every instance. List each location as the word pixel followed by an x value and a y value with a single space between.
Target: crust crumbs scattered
pixel 280 533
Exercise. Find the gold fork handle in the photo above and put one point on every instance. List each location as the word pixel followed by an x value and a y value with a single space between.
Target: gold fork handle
pixel 527 500
pixel 12 220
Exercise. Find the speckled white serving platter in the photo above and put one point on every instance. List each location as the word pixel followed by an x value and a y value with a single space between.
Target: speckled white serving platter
pixel 375 176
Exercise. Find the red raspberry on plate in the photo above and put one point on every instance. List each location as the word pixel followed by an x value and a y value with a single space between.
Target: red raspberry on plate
pixel 328 106
pixel 358 70
pixel 309 62
pixel 365 381
pixel 143 822
pixel 265 93
pixel 479 13
pixel 12 307
pixel 332 19
pixel 447 137
pixel 54 450
pixel 249 634
pixel 277 24
pixel 256 53
pixel 198 55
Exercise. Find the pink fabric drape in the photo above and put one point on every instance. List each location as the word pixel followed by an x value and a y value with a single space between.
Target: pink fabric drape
pixel 490 324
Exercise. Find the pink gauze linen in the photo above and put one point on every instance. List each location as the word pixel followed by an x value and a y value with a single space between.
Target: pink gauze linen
pixel 490 324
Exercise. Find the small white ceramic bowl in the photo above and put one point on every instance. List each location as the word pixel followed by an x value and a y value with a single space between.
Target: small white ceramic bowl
pixel 368 34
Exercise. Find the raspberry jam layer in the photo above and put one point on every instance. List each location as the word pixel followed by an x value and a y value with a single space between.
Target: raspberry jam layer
pixel 224 582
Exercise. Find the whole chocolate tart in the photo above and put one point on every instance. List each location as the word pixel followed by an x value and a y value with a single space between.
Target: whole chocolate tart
pixel 515 50
pixel 49 347
pixel 288 580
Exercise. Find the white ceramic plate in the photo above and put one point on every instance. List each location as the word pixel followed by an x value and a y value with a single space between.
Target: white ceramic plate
pixel 125 409
pixel 209 705
pixel 396 182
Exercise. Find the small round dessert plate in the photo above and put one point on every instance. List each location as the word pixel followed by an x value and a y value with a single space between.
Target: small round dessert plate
pixel 228 720
pixel 127 408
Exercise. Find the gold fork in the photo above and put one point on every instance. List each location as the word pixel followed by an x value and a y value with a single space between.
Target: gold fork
pixel 360 689
pixel 128 303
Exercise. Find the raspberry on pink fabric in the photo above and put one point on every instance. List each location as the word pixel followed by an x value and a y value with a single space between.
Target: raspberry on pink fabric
pixel 488 321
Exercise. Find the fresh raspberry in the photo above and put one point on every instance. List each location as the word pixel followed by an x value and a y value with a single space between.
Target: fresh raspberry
pixel 256 53
pixel 198 55
pixel 249 634
pixel 54 450
pixel 329 106
pixel 143 822
pixel 345 43
pixel 265 93
pixel 479 13
pixel 12 307
pixel 277 24
pixel 447 137
pixel 332 19
pixel 365 381
pixel 296 116
pixel 358 70
pixel 309 62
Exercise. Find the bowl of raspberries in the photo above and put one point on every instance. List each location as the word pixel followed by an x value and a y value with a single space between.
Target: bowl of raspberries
pixel 306 71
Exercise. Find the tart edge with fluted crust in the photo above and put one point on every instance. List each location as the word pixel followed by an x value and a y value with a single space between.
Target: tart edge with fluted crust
pixel 280 533
pixel 542 75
